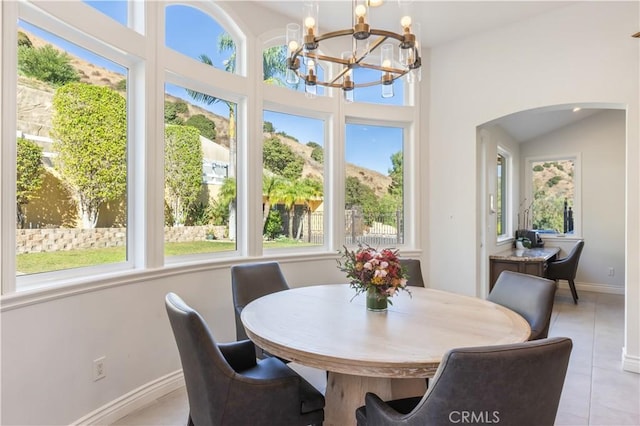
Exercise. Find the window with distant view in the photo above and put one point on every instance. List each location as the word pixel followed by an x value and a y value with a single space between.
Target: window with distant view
pixel 292 181
pixel 374 185
pixel 199 164
pixel 553 186
pixel 71 183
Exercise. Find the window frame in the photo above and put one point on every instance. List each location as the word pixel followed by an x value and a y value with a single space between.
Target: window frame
pixel 507 196
pixel 150 64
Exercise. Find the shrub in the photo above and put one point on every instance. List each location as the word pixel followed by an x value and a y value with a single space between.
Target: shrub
pixel 182 170
pixel 318 154
pixel 46 64
pixel 23 40
pixel 90 136
pixel 29 175
pixel 538 168
pixel 206 126
pixel 273 227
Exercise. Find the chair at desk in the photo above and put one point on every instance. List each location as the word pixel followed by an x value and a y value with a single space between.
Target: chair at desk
pixel 412 266
pixel 565 269
pixel 249 282
pixel 227 386
pixel 530 296
pixel 516 384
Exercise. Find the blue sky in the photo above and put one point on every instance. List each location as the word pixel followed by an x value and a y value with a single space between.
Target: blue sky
pixel 193 33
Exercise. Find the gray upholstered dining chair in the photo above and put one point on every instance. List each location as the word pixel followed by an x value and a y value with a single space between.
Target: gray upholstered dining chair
pixel 516 384
pixel 227 386
pixel 566 268
pixel 250 281
pixel 528 295
pixel 412 266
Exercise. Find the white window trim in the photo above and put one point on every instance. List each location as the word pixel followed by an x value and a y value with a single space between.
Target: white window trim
pixel 508 214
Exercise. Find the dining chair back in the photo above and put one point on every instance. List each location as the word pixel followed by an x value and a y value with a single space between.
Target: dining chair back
pixel 530 296
pixel 227 386
pixel 249 282
pixel 412 267
pixel 515 384
pixel 566 269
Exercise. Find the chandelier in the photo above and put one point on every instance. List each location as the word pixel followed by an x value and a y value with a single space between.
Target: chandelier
pixel 303 57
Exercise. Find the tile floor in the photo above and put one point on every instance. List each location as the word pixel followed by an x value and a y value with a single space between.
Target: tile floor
pixel 596 390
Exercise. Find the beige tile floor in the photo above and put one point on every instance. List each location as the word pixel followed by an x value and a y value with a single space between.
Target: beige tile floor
pixel 596 390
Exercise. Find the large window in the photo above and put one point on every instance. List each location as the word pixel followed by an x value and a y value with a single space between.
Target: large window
pixel 71 183
pixel 292 181
pixel 554 200
pixel 130 155
pixel 374 207
pixel 199 172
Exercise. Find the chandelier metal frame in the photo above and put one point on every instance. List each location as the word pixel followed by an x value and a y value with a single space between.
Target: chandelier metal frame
pixel 360 31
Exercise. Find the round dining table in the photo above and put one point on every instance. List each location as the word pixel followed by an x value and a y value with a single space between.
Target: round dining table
pixel 389 353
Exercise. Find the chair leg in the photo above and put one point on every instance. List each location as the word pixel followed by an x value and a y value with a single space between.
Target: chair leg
pixel 574 293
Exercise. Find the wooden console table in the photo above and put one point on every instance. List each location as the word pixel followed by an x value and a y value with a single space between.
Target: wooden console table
pixel 531 261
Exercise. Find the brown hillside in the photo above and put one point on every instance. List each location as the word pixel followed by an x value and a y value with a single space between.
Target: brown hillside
pixel 34 117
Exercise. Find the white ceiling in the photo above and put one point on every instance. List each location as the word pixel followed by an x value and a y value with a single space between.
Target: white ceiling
pixel 528 125
pixel 442 22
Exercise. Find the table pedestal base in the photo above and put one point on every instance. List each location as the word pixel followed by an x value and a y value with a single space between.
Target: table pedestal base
pixel 345 393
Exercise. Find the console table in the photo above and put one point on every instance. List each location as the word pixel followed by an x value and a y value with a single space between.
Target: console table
pixel 531 261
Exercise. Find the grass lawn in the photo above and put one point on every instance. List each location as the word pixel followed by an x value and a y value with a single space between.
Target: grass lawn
pixel 32 263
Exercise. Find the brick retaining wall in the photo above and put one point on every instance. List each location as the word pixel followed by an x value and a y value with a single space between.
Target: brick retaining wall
pixel 58 239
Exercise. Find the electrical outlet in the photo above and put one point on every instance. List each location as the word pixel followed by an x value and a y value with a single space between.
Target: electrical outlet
pixel 612 272
pixel 99 371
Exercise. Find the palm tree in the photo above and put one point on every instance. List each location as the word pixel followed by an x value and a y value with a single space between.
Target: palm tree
pixel 292 191
pixel 274 66
pixel 311 189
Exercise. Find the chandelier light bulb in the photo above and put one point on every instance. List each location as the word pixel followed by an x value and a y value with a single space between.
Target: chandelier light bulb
pixel 309 22
pixel 405 22
pixel 293 46
pixel 386 63
pixel 361 10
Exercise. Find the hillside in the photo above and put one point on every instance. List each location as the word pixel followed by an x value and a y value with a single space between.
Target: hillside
pixel 35 111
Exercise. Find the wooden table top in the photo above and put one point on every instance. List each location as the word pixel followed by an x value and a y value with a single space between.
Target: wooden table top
pixel 320 326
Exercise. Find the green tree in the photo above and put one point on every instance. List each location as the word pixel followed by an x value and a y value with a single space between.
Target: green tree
pixel 317 153
pixel 274 60
pixel 271 184
pixel 90 136
pixel 310 189
pixel 267 127
pixel 171 114
pixel 23 40
pixel 226 200
pixel 396 173
pixel 46 64
pixel 205 125
pixel 280 159
pixel 273 226
pixel 182 170
pixel 30 172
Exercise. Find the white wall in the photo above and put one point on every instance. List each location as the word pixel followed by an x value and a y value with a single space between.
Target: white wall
pixel 577 54
pixel 48 348
pixel 600 141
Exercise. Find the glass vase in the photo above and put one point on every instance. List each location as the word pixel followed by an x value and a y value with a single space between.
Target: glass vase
pixel 376 302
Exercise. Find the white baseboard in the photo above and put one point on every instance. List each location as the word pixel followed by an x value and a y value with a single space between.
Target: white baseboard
pixel 593 287
pixel 132 401
pixel 629 362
